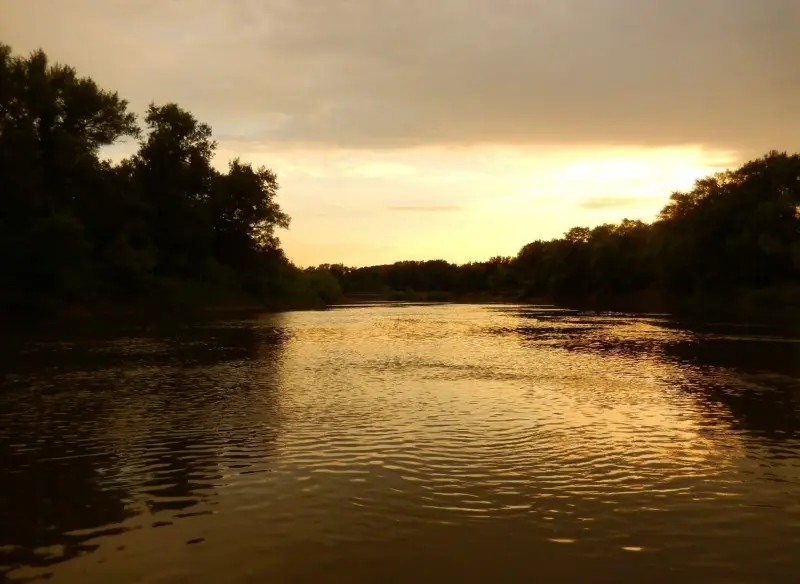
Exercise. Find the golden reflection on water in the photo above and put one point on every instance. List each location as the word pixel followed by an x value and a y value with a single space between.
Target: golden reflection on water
pixel 422 443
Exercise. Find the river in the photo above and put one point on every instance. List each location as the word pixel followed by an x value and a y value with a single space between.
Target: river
pixel 407 443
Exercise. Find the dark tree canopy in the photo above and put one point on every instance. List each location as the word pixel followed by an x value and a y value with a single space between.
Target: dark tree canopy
pixel 734 232
pixel 75 229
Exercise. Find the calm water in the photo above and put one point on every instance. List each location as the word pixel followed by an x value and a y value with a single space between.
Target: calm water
pixel 402 444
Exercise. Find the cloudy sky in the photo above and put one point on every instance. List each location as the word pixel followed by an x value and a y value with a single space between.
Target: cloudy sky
pixel 456 129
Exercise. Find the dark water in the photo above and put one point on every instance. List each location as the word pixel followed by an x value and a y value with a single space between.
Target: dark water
pixel 402 444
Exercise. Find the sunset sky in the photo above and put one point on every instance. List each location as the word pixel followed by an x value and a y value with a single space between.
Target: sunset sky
pixel 455 129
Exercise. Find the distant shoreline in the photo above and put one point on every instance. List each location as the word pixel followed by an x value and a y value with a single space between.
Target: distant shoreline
pixel 769 304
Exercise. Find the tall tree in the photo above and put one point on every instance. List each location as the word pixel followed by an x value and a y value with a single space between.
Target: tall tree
pixel 52 124
pixel 174 174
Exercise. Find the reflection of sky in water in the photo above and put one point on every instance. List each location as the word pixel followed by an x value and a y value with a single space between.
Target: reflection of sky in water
pixel 400 433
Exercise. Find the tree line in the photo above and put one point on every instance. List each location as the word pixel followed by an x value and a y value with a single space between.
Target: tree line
pixel 734 233
pixel 163 223
pixel 77 229
pixel 435 280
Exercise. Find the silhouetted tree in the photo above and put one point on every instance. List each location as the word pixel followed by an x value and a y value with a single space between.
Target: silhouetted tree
pixel 735 231
pixel 76 229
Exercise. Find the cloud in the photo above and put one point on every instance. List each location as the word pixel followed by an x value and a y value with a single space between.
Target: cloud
pixel 402 74
pixel 602 203
pixel 380 170
pixel 425 208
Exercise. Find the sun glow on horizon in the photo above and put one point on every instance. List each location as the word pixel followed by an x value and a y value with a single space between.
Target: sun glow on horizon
pixel 369 207
pixel 361 207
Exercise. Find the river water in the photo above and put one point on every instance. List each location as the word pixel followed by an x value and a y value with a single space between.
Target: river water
pixel 410 443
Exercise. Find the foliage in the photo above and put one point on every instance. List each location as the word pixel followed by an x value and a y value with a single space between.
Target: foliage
pixel 165 224
pixel 435 280
pixel 734 232
pixel 162 224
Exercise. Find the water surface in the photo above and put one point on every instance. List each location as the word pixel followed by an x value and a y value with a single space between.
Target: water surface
pixel 408 443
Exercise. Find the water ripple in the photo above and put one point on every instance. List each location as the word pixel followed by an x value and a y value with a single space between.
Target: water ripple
pixel 295 445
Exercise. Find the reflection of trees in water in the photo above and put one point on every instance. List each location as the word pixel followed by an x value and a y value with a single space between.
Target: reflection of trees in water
pixel 50 490
pixel 753 371
pixel 757 380
pixel 122 428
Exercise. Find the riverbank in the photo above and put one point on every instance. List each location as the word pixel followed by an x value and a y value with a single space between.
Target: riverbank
pixel 775 304
pixel 433 296
pixel 158 308
pixel 772 304
pixel 780 300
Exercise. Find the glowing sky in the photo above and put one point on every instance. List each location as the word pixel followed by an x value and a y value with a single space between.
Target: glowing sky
pixel 455 129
